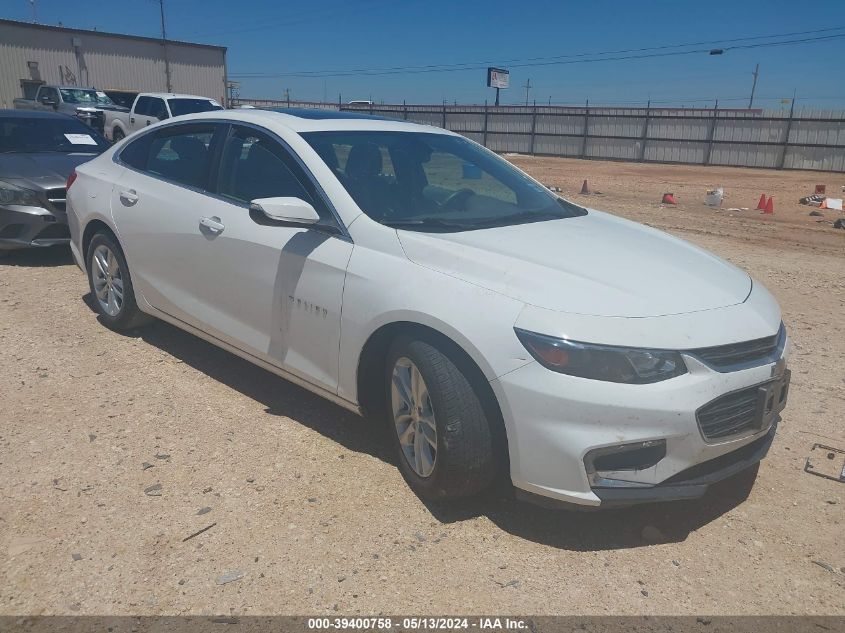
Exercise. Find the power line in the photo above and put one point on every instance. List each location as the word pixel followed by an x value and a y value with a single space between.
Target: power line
pixel 564 59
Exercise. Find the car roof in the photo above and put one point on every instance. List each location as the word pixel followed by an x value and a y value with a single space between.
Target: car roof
pixel 33 114
pixel 173 95
pixel 307 120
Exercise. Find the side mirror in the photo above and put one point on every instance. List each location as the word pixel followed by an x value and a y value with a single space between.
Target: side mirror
pixel 47 101
pixel 286 211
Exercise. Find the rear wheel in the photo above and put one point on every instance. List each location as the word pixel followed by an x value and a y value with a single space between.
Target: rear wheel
pixel 111 285
pixel 440 431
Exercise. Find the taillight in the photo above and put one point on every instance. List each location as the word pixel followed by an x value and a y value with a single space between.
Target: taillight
pixel 70 180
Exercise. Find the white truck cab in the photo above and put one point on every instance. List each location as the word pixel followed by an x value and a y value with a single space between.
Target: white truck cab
pixel 152 107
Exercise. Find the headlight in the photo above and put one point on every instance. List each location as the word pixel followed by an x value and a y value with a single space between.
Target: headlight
pixel 600 362
pixel 12 194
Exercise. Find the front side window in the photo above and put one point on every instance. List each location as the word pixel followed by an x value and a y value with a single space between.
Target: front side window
pixel 254 166
pixel 157 109
pixel 181 154
pixel 189 106
pixel 142 106
pixel 434 181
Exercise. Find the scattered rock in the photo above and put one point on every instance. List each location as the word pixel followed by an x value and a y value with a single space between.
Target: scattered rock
pixel 420 537
pixel 153 491
pixel 651 534
pixel 839 224
pixel 146 465
pixel 823 565
pixel 341 578
pixel 162 456
pixel 644 592
pixel 204 510
pixel 818 214
pixel 182 582
pixel 76 556
pixel 91 437
pixel 206 490
pixel 250 480
pixel 511 583
pixel 704 621
pixel 312 499
pixel 676 563
pixel 230 577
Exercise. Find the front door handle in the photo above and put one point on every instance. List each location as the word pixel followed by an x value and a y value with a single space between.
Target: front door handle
pixel 128 198
pixel 212 224
pixel 132 119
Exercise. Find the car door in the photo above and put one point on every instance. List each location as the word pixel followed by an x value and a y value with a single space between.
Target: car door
pixel 139 114
pixel 197 253
pixel 277 290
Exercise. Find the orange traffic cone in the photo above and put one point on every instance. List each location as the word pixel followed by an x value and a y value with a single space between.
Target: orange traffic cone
pixel 770 206
pixel 761 206
pixel 585 189
pixel 668 198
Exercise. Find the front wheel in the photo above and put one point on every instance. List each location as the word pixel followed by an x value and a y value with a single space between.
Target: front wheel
pixel 111 285
pixel 117 135
pixel 439 428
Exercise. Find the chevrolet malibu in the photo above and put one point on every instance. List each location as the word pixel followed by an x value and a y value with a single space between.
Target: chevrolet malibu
pixel 409 274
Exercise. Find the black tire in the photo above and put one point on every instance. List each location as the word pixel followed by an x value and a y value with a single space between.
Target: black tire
pixel 465 462
pixel 129 316
pixel 117 135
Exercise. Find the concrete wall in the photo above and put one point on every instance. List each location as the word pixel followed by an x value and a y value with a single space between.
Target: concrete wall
pixel 104 60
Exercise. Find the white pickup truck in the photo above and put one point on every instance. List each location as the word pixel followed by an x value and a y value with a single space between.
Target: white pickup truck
pixel 152 107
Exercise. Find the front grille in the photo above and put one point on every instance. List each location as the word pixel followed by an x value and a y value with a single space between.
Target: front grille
pixel 57 198
pixel 729 415
pixel 727 356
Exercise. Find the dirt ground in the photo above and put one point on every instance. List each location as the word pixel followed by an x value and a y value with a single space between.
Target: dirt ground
pixel 307 505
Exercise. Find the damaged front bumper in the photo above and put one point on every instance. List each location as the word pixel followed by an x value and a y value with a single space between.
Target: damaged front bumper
pixel 27 227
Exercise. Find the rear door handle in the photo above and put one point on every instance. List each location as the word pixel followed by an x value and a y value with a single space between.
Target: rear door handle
pixel 212 224
pixel 128 198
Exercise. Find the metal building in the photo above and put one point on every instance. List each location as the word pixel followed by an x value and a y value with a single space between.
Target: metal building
pixel 32 54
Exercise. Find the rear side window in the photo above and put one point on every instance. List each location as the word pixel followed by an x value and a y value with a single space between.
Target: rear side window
pixel 189 106
pixel 255 166
pixel 180 154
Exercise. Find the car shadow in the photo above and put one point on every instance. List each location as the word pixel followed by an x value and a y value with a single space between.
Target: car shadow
pixel 37 257
pixel 569 529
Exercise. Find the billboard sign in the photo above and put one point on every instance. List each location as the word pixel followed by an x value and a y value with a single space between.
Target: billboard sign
pixel 498 78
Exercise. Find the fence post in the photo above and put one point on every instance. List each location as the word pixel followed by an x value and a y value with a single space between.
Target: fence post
pixel 645 130
pixel 444 115
pixel 484 139
pixel 786 137
pixel 712 133
pixel 533 126
pixel 586 125
pixel 404 110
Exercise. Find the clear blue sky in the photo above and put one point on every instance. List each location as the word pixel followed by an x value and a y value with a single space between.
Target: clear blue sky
pixel 276 37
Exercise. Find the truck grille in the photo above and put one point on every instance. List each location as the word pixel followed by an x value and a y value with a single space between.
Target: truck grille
pixel 728 356
pixel 729 415
pixel 57 198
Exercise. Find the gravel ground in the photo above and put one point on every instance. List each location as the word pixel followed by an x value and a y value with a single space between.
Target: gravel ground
pixel 115 449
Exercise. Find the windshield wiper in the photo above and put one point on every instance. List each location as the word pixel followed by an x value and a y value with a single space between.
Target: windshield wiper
pixel 516 218
pixel 428 222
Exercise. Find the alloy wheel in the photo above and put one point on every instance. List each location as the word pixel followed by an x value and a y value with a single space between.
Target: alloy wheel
pixel 108 280
pixel 413 417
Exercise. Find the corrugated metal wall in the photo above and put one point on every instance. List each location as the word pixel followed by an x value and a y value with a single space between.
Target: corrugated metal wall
pixel 104 61
pixel 812 139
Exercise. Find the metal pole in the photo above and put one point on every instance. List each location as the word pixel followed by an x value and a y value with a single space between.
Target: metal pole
pixel 533 126
pixel 786 136
pixel 753 85
pixel 497 96
pixel 164 44
pixel 645 130
pixel 484 139
pixel 444 114
pixel 711 134
pixel 527 87
pixel 586 126
pixel 404 110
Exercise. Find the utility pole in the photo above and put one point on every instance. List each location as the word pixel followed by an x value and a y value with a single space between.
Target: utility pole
pixel 753 85
pixel 287 96
pixel 34 12
pixel 527 87
pixel 164 44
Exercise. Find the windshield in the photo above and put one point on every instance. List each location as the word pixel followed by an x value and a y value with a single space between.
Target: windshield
pixel 438 182
pixel 189 106
pixel 24 134
pixel 81 96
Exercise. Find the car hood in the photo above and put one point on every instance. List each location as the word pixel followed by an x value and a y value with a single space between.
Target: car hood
pixel 43 170
pixel 595 264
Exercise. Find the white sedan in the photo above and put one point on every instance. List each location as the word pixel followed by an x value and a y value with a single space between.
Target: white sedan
pixel 407 273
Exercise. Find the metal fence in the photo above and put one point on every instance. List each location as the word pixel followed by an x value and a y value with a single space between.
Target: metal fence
pixel 779 139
